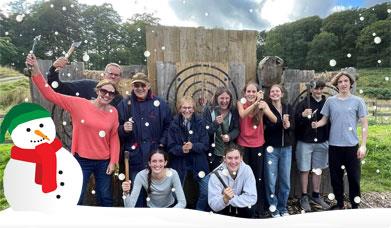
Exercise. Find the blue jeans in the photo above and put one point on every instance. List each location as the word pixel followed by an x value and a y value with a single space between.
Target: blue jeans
pixel 102 180
pixel 202 201
pixel 280 166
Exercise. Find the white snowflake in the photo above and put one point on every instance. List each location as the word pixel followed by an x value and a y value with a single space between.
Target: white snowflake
pixel 54 84
pixel 201 174
pixel 243 100
pixel 377 40
pixel 333 62
pixel 102 133
pixel 357 199
pixel 121 176
pixel 272 208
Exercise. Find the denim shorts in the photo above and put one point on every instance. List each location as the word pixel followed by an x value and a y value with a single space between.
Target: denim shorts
pixel 312 155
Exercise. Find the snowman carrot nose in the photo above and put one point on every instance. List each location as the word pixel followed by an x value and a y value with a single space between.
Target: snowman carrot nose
pixel 39 133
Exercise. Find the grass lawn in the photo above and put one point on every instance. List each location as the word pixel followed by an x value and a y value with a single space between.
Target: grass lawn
pixel 4 156
pixel 376 171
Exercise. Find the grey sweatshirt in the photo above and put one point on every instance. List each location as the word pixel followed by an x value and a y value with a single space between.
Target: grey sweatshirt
pixel 162 191
pixel 243 187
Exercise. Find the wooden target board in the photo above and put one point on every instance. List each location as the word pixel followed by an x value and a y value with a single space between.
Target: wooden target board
pixel 199 80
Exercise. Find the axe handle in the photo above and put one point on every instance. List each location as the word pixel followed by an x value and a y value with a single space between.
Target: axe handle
pixel 220 179
pixel 126 161
pixel 70 51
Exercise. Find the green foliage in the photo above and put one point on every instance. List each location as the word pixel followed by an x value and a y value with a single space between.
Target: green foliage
pixel 8 51
pixel 105 38
pixel 322 48
pixel 369 51
pixel 4 157
pixel 13 92
pixel 376 171
pixel 290 41
pixel 373 83
pixel 349 32
pixel 8 72
pixel 133 32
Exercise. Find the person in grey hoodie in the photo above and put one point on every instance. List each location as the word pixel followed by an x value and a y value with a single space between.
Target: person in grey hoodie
pixel 231 188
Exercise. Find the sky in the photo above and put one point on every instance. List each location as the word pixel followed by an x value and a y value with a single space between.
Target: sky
pixel 228 14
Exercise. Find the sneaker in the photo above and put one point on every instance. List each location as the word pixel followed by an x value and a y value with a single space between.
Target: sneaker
pixel 319 201
pixel 336 207
pixel 305 204
pixel 285 214
pixel 276 214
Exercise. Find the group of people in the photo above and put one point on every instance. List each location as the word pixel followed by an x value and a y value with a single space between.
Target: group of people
pixel 239 154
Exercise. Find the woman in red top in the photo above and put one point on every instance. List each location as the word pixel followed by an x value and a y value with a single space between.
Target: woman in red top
pixel 95 141
pixel 251 110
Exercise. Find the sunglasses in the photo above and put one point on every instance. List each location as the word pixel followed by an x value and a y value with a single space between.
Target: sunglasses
pixel 104 92
pixel 139 85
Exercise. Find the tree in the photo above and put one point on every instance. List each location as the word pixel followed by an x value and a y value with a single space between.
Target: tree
pixel 101 30
pixel 290 41
pixel 322 49
pixel 8 51
pixel 261 45
pixel 369 51
pixel 133 32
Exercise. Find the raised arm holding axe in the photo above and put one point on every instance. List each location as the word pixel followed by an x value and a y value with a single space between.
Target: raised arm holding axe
pixel 62 61
pixel 27 71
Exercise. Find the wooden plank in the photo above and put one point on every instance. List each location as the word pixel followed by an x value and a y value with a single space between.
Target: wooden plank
pixel 237 73
pixel 171 45
pixel 220 46
pixel 187 44
pixel 249 54
pixel 151 39
pixel 200 48
pixel 235 50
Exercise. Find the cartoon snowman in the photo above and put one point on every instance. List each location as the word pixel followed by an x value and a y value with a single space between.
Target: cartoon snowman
pixel 40 175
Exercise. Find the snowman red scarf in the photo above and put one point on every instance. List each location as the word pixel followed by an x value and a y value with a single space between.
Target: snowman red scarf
pixel 44 156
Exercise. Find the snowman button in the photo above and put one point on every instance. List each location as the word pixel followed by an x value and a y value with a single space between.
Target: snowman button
pixel 58 196
pixel 62 184
pixel 60 172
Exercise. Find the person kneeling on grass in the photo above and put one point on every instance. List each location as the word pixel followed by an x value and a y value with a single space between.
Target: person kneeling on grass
pixel 231 188
pixel 159 182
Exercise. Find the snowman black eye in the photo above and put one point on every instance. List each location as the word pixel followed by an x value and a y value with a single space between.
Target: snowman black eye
pixel 40 125
pixel 28 129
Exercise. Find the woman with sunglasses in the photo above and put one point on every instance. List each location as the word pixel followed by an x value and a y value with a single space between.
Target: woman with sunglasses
pixel 95 142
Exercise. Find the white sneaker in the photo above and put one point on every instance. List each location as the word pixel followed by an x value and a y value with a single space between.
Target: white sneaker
pixel 285 214
pixel 276 215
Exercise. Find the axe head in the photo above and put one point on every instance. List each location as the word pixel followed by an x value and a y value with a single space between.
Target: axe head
pixel 37 38
pixel 76 44
pixel 126 154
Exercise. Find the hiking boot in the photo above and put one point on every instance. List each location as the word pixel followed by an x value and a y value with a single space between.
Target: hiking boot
pixel 305 204
pixel 320 202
